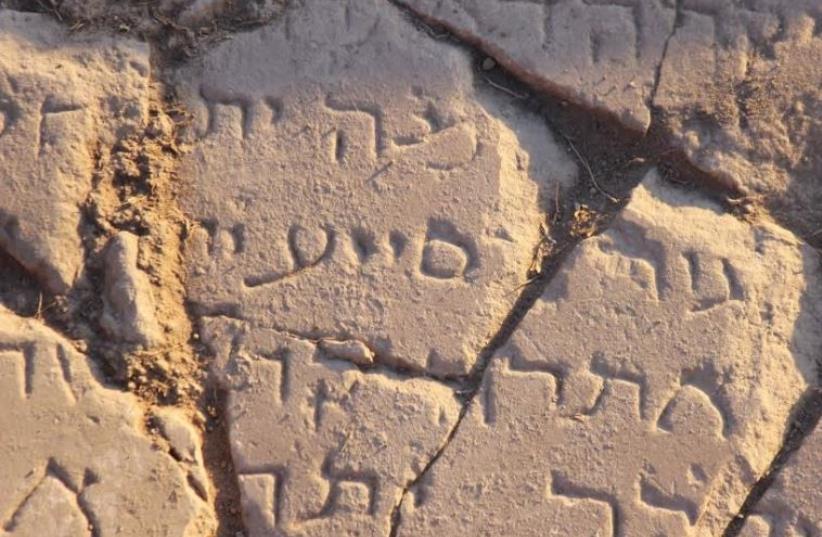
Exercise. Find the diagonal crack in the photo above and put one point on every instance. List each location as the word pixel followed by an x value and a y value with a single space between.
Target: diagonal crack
pixel 805 417
pixel 606 149
pixel 527 298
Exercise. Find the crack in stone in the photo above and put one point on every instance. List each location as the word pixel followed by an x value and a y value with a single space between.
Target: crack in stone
pixel 379 365
pixel 678 21
pixel 806 416
pixel 527 298
pixel 467 386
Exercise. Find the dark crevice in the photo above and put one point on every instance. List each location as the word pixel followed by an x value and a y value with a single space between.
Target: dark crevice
pixel 218 460
pixel 155 22
pixel 804 419
pixel 20 290
pixel 472 383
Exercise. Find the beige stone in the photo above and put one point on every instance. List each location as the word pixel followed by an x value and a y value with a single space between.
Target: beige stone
pixel 735 84
pixel 60 95
pixel 321 448
pixel 740 87
pixel 792 506
pixel 73 454
pixel 129 312
pixel 603 54
pixel 645 392
pixel 351 183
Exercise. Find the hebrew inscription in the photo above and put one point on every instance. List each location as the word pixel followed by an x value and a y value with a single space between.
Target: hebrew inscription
pixel 365 205
pixel 83 91
pixel 75 460
pixel 322 448
pixel 637 389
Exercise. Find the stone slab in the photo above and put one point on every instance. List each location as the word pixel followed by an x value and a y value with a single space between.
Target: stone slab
pixel 74 457
pixel 740 89
pixel 350 182
pixel 60 96
pixel 792 506
pixel 603 54
pixel 645 392
pixel 736 85
pixel 321 447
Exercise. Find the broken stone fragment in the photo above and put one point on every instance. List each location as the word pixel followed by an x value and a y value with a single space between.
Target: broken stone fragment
pixel 129 313
pixel 320 447
pixel 73 457
pixel 376 193
pixel 645 392
pixel 61 96
pixel 185 443
pixel 602 54
pixel 792 505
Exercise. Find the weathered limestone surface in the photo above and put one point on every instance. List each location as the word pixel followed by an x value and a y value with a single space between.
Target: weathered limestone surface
pixel 351 183
pixel 645 392
pixel 737 83
pixel 320 447
pixel 73 458
pixel 792 506
pixel 60 96
pixel 602 53
pixel 741 91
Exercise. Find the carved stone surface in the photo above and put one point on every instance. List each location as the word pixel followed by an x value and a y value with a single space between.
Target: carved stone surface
pixel 73 457
pixel 792 506
pixel 645 392
pixel 351 183
pixel 320 447
pixel 602 53
pixel 60 95
pixel 735 83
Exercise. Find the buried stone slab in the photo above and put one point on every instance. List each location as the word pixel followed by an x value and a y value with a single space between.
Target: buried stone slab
pixel 129 310
pixel 792 506
pixel 645 392
pixel 320 447
pixel 350 182
pixel 60 96
pixel 73 457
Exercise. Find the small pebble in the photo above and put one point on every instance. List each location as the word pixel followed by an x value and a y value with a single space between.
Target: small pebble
pixel 488 63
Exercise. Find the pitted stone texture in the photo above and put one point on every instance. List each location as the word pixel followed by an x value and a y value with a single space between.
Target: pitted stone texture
pixel 320 447
pixel 600 53
pixel 792 506
pixel 72 455
pixel 60 95
pixel 740 87
pixel 645 392
pixel 352 184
